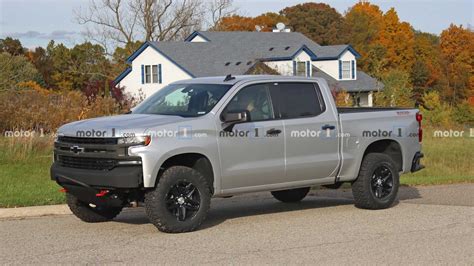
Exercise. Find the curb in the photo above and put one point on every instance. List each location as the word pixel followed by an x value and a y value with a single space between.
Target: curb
pixel 36 211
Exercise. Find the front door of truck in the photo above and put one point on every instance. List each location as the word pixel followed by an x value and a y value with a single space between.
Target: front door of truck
pixel 252 153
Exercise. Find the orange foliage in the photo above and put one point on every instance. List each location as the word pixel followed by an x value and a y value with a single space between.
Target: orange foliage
pixel 239 23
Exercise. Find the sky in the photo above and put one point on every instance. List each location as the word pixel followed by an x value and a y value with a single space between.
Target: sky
pixel 35 22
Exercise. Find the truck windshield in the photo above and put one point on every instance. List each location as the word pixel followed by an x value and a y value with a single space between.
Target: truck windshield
pixel 186 100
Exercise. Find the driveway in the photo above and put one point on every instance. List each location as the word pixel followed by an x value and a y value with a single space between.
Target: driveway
pixel 430 225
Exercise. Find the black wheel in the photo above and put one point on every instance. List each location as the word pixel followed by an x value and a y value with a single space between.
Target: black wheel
pixel 180 201
pixel 90 213
pixel 376 186
pixel 291 195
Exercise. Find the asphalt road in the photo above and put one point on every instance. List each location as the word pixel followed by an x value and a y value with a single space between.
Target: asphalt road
pixel 430 225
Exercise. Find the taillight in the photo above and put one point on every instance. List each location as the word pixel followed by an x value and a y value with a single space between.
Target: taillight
pixel 419 117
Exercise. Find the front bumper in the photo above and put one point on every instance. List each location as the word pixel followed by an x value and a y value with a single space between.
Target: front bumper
pixel 85 184
pixel 118 177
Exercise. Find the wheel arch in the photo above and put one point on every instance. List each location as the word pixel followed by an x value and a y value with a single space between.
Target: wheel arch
pixel 197 161
pixel 389 147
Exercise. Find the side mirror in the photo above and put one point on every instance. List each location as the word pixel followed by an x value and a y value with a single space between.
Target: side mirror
pixel 232 118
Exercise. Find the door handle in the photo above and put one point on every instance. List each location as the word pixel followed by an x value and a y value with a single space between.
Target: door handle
pixel 273 131
pixel 326 127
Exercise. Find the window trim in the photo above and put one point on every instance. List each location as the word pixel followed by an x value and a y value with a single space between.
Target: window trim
pixel 275 107
pixel 267 89
pixel 152 74
pixel 348 71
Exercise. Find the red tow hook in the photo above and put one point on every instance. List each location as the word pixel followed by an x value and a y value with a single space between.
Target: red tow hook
pixel 102 193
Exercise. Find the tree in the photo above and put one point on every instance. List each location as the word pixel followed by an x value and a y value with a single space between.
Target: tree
pixel 265 22
pixel 219 9
pixel 11 46
pixel 398 39
pixel 114 22
pixel 318 21
pixel 43 63
pixel 363 23
pixel 397 90
pixel 426 71
pixel 15 69
pixel 457 51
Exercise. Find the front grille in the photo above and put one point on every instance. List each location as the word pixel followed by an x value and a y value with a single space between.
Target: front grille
pixel 87 163
pixel 79 140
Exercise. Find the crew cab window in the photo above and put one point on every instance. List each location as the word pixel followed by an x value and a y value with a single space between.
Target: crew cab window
pixel 297 100
pixel 255 99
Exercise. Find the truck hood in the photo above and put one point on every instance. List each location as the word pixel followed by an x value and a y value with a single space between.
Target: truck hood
pixel 116 126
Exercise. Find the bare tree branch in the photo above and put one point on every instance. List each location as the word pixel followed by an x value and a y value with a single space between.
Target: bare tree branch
pixel 118 22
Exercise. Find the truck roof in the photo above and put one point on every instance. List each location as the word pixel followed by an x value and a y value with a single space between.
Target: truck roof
pixel 239 78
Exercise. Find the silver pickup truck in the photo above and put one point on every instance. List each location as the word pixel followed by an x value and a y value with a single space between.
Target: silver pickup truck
pixel 222 136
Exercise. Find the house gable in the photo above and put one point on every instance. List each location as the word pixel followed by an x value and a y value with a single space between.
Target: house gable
pixel 147 57
pixel 196 37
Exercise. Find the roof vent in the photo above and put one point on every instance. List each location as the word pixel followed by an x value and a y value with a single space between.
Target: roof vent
pixel 249 62
pixel 271 49
pixel 238 63
pixel 228 63
pixel 288 47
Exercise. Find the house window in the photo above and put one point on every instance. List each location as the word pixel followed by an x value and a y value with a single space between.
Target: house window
pixel 151 74
pixel 346 69
pixel 155 73
pixel 147 74
pixel 300 69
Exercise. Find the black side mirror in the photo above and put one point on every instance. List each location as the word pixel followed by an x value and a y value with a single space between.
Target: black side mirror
pixel 232 118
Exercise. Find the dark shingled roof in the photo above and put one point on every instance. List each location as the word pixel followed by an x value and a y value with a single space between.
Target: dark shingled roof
pixel 237 52
pixel 210 58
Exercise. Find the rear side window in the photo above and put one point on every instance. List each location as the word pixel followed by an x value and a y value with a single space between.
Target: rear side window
pixel 296 100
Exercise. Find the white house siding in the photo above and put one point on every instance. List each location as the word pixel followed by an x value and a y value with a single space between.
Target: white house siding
pixel 198 38
pixel 331 67
pixel 170 72
pixel 285 67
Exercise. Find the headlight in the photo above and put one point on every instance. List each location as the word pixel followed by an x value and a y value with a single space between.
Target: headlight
pixel 135 140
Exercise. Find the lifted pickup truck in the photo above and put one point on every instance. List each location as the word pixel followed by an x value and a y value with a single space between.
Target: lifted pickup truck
pixel 221 136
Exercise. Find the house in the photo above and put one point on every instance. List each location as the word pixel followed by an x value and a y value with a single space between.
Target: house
pixel 156 64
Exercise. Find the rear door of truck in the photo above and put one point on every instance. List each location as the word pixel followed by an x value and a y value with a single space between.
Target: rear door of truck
pixel 310 124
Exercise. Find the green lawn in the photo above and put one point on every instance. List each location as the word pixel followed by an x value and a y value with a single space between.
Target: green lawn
pixel 24 168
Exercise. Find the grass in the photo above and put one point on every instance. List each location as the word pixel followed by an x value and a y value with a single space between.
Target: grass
pixel 24 173
pixel 25 162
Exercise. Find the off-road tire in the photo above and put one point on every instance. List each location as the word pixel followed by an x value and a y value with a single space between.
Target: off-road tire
pixel 291 195
pixel 364 196
pixel 90 214
pixel 156 206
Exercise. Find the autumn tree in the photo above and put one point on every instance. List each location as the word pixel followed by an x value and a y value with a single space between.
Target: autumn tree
pixel 398 39
pixel 363 23
pixel 318 21
pixel 15 69
pixel 426 70
pixel 265 22
pixel 397 90
pixel 457 52
pixel 11 46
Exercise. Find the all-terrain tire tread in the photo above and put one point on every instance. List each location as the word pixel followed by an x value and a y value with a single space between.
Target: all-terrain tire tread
pixel 360 189
pixel 152 205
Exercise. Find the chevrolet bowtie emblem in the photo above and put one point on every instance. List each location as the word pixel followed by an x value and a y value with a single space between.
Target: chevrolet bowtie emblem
pixel 77 149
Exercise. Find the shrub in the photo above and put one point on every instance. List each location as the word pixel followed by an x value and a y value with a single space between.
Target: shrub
pixel 30 107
